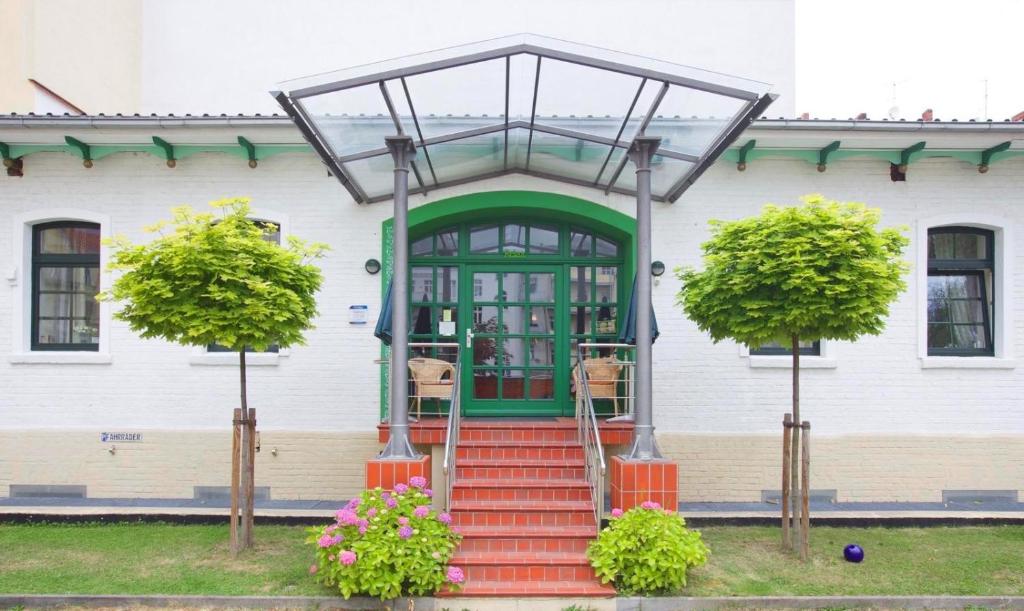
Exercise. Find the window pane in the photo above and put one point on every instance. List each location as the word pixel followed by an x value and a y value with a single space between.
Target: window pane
pixel 970 246
pixel 940 246
pixel 971 337
pixel 579 320
pixel 542 384
pixel 485 286
pixel 542 352
pixel 512 384
pixel 607 284
pixel 485 351
pixel 544 240
pixel 581 244
pixel 807 348
pixel 485 384
pixel 485 319
pixel 448 243
pixel 70 240
pixel 605 320
pixel 606 248
pixel 939 336
pixel 446 319
pixel 422 247
pixel 483 240
pixel 422 321
pixel 515 238
pixel 513 351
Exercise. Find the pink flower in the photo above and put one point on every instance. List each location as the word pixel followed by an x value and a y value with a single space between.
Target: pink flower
pixel 385 496
pixel 325 541
pixel 650 505
pixel 346 517
pixel 404 521
pixel 391 503
pixel 347 557
pixel 428 492
pixel 401 488
pixel 362 522
pixel 405 532
pixel 616 513
pixel 312 569
pixel 444 518
pixel 417 481
pixel 362 530
pixel 421 512
pixel 372 511
pixel 337 539
pixel 455 575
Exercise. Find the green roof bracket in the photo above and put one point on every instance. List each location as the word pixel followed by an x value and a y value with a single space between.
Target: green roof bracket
pixel 5 154
pixel 741 163
pixel 906 153
pixel 986 155
pixel 824 153
pixel 250 150
pixel 168 149
pixel 83 148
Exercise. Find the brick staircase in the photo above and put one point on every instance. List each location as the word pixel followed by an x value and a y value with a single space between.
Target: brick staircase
pixel 523 505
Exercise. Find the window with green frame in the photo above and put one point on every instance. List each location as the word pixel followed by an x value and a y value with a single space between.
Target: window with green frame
pixel 434 307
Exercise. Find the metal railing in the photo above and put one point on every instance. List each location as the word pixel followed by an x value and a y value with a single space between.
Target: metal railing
pixel 451 440
pixel 595 468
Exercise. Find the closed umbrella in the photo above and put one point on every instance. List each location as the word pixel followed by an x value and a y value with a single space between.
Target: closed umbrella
pixel 383 328
pixel 628 333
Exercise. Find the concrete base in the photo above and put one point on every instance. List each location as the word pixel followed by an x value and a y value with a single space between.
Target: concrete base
pixel 386 473
pixel 636 481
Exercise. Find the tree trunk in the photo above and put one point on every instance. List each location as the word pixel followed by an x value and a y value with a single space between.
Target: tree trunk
pixel 246 480
pixel 794 463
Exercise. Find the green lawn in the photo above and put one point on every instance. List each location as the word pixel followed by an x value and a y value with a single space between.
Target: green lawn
pixel 171 559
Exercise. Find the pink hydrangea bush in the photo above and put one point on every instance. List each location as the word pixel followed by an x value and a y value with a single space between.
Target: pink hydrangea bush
pixel 646 550
pixel 387 544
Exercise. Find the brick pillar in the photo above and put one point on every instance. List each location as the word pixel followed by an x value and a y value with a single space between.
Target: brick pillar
pixel 636 481
pixel 386 473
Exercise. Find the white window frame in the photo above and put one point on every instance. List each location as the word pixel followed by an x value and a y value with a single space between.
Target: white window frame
pixel 825 360
pixel 19 277
pixel 200 356
pixel 1002 317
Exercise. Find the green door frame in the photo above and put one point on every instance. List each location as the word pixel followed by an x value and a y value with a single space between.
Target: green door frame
pixel 498 205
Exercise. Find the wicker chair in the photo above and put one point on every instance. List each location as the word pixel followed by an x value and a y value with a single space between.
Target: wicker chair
pixel 428 376
pixel 602 378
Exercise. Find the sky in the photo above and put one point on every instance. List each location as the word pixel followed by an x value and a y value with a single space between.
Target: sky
pixel 899 57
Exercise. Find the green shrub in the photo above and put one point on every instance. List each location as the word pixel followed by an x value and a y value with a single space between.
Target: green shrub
pixel 387 544
pixel 646 550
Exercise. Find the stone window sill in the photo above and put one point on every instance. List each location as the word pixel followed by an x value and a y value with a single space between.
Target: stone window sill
pixel 786 362
pixel 61 358
pixel 230 359
pixel 967 362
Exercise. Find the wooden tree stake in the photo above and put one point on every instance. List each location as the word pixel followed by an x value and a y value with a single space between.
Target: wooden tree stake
pixel 805 485
pixel 236 447
pixel 787 428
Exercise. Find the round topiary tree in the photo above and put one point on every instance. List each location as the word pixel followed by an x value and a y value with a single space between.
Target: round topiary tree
pixel 216 279
pixel 817 271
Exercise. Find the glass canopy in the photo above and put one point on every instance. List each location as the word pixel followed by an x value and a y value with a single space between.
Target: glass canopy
pixel 524 104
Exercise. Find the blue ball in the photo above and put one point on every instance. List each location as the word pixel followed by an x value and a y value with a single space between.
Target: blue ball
pixel 853 553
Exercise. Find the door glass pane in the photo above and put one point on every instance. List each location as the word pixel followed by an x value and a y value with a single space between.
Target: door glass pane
pixel 579 320
pixel 605 320
pixel 485 286
pixel 542 384
pixel 542 352
pixel 542 287
pixel 515 238
pixel 514 286
pixel 514 351
pixel 422 321
pixel 514 320
pixel 579 283
pixel 483 240
pixel 422 284
pixel 542 320
pixel 513 384
pixel 485 351
pixel 447 318
pixel 606 248
pixel 607 287
pixel 543 240
pixel 485 384
pixel 447 284
pixel 485 319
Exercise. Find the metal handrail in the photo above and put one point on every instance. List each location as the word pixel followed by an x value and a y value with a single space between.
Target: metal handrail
pixel 451 441
pixel 590 437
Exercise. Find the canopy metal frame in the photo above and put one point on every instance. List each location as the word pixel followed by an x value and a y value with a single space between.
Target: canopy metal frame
pixel 753 104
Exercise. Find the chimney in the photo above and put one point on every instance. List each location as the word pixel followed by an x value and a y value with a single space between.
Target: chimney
pixel 926 115
pixel 1018 117
pixel 862 116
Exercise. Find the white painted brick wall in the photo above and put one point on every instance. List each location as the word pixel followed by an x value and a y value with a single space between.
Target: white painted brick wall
pixel 332 384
